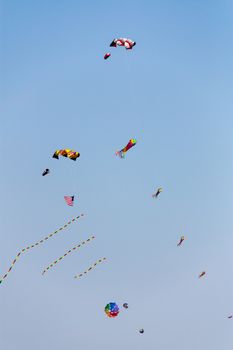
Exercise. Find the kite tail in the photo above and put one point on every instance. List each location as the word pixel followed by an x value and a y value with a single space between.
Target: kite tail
pixel 121 154
pixel 10 268
pixel 90 268
pixel 53 233
pixel 68 252
pixel 37 243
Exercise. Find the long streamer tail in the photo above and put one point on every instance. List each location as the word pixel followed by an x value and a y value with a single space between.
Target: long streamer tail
pixel 90 268
pixel 120 154
pixel 36 244
pixel 10 268
pixel 68 252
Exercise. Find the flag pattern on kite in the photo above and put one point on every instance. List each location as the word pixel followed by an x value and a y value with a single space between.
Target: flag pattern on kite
pixel 91 268
pixel 69 200
pixel 68 252
pixel 38 243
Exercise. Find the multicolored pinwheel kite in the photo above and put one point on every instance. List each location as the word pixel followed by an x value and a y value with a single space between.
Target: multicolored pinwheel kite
pixel 112 310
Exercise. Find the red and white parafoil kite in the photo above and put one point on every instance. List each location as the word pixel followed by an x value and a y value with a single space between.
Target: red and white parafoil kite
pixel 127 43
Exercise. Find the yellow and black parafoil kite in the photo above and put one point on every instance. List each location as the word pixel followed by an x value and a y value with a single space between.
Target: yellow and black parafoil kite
pixel 66 153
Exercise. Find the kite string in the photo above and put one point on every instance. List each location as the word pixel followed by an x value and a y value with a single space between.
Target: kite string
pixel 36 244
pixel 68 252
pixel 90 268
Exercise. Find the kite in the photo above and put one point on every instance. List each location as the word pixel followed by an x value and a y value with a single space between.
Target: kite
pixel 125 305
pixel 46 172
pixel 66 153
pixel 141 331
pixel 69 200
pixel 230 316
pixel 90 268
pixel 202 274
pixel 111 310
pixel 182 238
pixel 159 190
pixel 130 144
pixel 68 252
pixel 107 55
pixel 37 243
pixel 127 43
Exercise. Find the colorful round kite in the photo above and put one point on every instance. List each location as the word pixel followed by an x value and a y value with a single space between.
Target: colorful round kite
pixel 112 310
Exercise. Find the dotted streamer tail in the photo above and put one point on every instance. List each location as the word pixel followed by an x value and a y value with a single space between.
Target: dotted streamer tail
pixel 68 252
pixel 91 267
pixel 36 244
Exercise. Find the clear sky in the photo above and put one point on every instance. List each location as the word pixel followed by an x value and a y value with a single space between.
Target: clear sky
pixel 173 93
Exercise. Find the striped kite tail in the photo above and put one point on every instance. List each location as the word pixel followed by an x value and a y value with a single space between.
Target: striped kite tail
pixel 90 268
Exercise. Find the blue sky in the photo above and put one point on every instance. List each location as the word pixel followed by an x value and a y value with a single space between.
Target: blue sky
pixel 173 93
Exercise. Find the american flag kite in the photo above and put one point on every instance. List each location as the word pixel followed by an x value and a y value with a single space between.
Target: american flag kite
pixel 69 200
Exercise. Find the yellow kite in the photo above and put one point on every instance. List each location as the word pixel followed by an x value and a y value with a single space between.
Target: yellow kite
pixel 66 153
